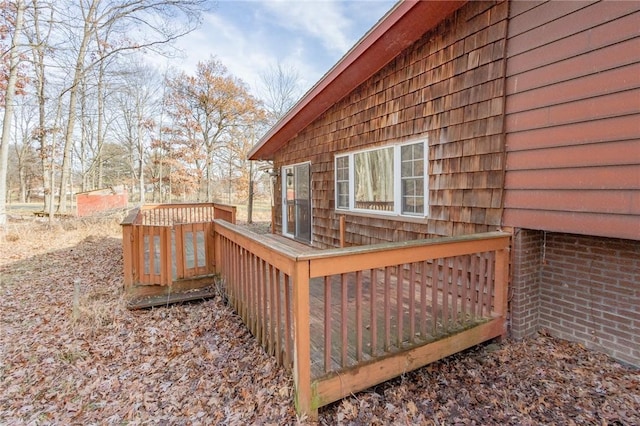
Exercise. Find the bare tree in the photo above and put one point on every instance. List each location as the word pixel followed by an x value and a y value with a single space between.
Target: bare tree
pixel 14 62
pixel 24 156
pixel 279 91
pixel 138 100
pixel 161 20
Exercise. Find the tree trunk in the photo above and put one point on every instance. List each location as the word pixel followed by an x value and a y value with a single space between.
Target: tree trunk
pixel 14 61
pixel 89 29
pixel 141 164
pixel 23 185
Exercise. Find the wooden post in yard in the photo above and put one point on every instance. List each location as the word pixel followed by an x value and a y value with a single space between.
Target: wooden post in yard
pixel 302 342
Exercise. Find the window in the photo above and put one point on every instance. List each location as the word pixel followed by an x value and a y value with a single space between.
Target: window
pixel 412 177
pixel 342 182
pixel 374 179
pixel 389 180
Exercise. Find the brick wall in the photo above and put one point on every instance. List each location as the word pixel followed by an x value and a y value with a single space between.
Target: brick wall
pixel 589 290
pixel 525 284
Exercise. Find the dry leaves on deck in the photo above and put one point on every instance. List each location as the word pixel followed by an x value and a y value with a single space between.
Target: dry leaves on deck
pixel 197 363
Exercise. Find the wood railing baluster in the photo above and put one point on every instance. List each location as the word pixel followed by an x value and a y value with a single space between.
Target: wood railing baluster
pixel 400 305
pixel 278 311
pixel 374 315
pixel 265 301
pixel 358 315
pixel 482 283
pixel 344 318
pixel 435 278
pixel 288 326
pixel 272 310
pixel 446 276
pixel 423 299
pixel 327 324
pixel 473 286
pixel 412 302
pixel 465 286
pixel 387 308
pixel 454 289
pixel 259 300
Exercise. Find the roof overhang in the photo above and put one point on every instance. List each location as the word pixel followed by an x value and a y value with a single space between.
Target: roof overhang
pixel 397 30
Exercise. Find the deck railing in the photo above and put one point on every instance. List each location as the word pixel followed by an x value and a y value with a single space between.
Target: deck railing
pixel 167 243
pixel 347 319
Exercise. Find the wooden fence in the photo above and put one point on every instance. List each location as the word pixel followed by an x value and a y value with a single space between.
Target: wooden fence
pixel 347 319
pixel 170 245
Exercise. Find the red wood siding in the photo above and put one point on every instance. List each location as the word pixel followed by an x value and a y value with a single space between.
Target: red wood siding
pixel 447 87
pixel 573 118
pixel 89 203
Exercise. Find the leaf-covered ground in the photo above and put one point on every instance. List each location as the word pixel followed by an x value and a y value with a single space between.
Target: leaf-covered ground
pixel 70 353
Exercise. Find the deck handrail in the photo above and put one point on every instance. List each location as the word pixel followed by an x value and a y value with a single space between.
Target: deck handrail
pixel 349 259
pixel 269 284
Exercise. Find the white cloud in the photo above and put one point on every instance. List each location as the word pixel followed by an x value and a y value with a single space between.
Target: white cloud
pixel 250 36
pixel 322 20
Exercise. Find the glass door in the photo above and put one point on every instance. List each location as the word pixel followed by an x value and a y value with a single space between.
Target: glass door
pixel 297 202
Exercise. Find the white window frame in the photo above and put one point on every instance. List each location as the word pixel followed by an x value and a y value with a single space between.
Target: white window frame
pixel 397 181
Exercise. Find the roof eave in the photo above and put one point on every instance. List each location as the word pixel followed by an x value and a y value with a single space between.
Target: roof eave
pixel 397 30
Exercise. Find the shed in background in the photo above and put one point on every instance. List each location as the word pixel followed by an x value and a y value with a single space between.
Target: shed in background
pixel 90 203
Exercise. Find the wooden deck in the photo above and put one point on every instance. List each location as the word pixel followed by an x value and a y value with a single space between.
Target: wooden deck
pixel 346 319
pixel 168 251
pixel 342 320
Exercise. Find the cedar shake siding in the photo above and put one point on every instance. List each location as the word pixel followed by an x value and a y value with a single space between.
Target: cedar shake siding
pixel 447 88
pixel 573 118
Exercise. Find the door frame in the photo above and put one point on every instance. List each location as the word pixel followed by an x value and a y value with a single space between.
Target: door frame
pixel 284 204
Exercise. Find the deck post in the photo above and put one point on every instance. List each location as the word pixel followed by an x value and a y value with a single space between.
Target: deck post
pixel 127 254
pixel 501 284
pixel 302 342
pixel 166 262
pixel 217 249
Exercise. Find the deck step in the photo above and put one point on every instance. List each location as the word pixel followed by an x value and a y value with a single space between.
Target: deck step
pixel 143 302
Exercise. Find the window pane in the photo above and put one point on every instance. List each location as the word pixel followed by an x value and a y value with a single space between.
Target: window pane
pixel 412 177
pixel 342 182
pixel 418 168
pixel 343 195
pixel 374 179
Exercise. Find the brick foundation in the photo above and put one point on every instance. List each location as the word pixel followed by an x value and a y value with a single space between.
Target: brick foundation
pixel 580 288
pixel 525 285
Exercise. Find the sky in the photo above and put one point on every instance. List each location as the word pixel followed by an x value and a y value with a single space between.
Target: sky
pixel 249 36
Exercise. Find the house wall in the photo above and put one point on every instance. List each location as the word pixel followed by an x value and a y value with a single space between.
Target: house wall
pixel 573 118
pixel 449 87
